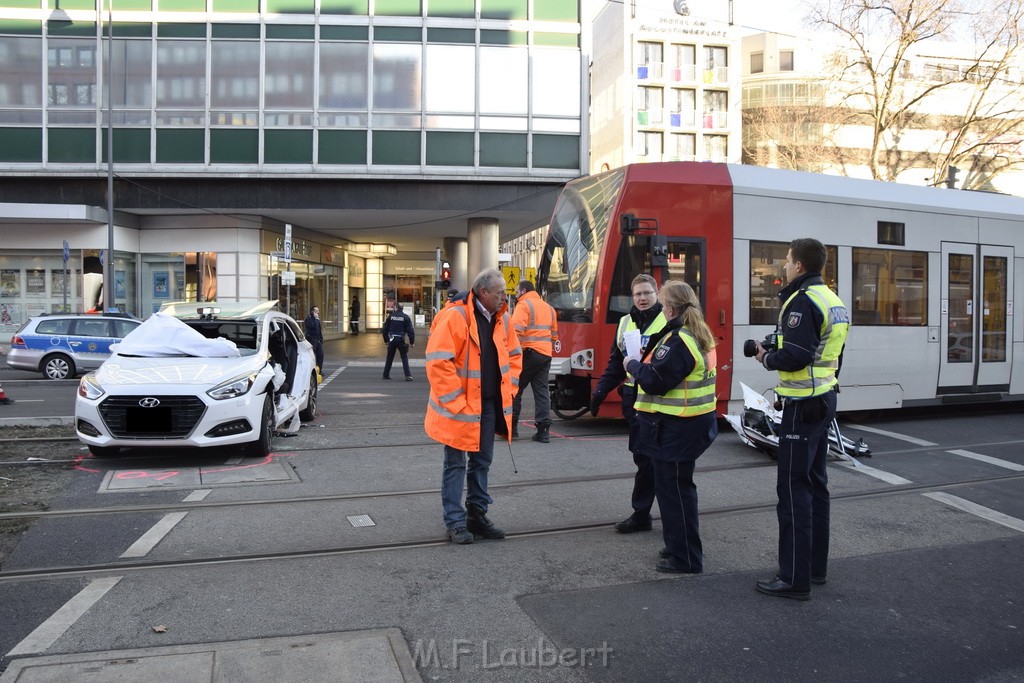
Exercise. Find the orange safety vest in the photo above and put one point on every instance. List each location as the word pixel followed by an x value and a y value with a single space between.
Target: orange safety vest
pixel 535 323
pixel 453 370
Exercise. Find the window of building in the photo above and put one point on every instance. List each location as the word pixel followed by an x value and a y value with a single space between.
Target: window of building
pixel 71 72
pixel 716 64
pixel 504 80
pixel 785 60
pixel 447 64
pixel 716 109
pixel 716 148
pixel 683 62
pixel 768 276
pixel 890 287
pixel 344 77
pixel 682 107
pixel 649 58
pixel 288 75
pixel 235 74
pixel 683 146
pixel 757 62
pixel 649 106
pixel 556 82
pixel 649 145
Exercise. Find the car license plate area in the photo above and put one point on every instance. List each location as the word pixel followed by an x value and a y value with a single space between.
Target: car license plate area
pixel 148 420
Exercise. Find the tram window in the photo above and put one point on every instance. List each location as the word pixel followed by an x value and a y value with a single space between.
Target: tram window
pixel 768 276
pixel 890 287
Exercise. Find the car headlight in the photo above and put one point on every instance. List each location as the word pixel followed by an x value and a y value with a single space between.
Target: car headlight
pixel 90 388
pixel 239 386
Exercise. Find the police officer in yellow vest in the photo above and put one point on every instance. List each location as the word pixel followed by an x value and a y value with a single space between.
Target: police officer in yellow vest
pixel 644 316
pixel 675 420
pixel 811 332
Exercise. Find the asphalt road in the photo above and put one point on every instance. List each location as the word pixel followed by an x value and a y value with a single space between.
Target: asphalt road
pixel 927 546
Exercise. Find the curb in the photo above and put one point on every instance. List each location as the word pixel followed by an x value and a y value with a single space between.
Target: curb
pixel 54 421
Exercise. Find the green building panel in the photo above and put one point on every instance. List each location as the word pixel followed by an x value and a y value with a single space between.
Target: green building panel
pixel 287 146
pixel 181 30
pixel 131 145
pixel 342 147
pixel 503 9
pixel 556 10
pixel 21 145
pixel 465 9
pixel 71 4
pixel 396 148
pixel 71 145
pixel 133 5
pixel 507 150
pixel 397 34
pixel 290 6
pixel 137 30
pixel 449 149
pixel 21 27
pixel 556 39
pixel 290 31
pixel 347 7
pixel 398 8
pixel 180 146
pixel 84 28
pixel 21 4
pixel 360 33
pixel 464 36
pixel 489 37
pixel 251 31
pixel 247 6
pixel 229 146
pixel 181 5
pixel 556 151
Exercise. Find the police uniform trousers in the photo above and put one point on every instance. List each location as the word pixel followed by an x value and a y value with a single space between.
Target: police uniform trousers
pixel 643 483
pixel 399 345
pixel 677 501
pixel 318 352
pixel 802 486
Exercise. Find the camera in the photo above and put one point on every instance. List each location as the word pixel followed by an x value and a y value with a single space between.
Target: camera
pixel 770 343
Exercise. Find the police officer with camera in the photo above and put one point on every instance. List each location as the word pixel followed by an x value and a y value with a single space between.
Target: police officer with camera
pixel 396 328
pixel 809 339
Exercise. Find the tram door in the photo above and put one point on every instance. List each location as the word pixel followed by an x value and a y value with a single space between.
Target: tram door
pixel 977 318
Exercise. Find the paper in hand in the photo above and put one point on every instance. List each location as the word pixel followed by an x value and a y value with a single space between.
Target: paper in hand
pixel 632 341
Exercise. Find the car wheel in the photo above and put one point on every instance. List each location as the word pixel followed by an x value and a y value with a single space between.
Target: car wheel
pixel 57 366
pixel 308 414
pixel 104 451
pixel 264 444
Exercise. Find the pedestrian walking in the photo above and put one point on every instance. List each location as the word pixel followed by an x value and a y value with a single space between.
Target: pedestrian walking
pixel 473 365
pixel 315 335
pixel 810 335
pixel 353 315
pixel 675 419
pixel 536 325
pixel 5 400
pixel 396 328
pixel 646 318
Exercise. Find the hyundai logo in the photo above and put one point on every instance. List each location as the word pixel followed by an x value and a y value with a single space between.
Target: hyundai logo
pixel 149 402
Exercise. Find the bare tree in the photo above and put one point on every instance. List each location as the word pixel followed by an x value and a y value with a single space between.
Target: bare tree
pixel 874 83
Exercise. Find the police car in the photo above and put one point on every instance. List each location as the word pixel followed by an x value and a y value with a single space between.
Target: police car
pixel 223 375
pixel 63 345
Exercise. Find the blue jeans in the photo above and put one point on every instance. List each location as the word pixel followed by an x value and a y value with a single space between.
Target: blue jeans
pixel 474 475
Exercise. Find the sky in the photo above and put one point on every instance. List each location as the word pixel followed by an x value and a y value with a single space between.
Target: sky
pixel 781 16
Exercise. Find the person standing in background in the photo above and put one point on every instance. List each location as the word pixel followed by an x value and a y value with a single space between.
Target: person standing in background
pixel 315 335
pixel 396 328
pixel 536 325
pixel 353 315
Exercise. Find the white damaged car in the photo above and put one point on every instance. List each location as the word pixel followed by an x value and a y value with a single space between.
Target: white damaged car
pixel 224 375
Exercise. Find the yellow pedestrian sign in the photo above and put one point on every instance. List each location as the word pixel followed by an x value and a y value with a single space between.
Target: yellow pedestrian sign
pixel 511 274
pixel 531 275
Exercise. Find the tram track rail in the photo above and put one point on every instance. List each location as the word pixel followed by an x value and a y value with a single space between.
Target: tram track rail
pixel 40 573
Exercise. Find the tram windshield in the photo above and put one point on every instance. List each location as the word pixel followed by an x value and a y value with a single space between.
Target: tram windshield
pixel 569 265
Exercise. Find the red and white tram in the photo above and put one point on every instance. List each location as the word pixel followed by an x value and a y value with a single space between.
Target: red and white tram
pixel 929 276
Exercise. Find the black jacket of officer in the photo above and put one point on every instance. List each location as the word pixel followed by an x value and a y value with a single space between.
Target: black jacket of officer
pixel 801 322
pixel 397 325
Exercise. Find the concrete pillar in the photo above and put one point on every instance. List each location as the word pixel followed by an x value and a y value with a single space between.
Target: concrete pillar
pixel 456 251
pixel 483 246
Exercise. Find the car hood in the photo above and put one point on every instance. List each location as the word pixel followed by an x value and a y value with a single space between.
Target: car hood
pixel 120 370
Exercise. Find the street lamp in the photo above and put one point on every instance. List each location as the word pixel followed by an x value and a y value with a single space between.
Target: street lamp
pixel 60 17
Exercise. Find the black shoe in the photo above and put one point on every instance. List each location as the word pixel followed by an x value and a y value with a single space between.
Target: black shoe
pixel 479 525
pixel 819 580
pixel 669 566
pixel 459 535
pixel 408 379
pixel 385 378
pixel 781 589
pixel 633 523
pixel 664 553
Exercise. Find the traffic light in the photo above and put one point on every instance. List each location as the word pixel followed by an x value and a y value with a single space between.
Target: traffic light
pixel 446 275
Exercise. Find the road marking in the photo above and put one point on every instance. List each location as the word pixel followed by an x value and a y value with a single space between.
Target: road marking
pixel 979 510
pixel 333 375
pixel 149 539
pixel 197 496
pixel 990 460
pixel 887 477
pixel 47 633
pixel 894 435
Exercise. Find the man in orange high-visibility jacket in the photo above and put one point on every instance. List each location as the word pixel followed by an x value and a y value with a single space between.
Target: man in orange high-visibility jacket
pixel 473 364
pixel 536 324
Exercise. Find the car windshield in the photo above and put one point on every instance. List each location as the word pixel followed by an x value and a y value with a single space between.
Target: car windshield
pixel 243 333
pixel 228 309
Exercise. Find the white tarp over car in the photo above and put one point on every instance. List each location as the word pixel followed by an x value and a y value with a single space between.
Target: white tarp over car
pixel 164 335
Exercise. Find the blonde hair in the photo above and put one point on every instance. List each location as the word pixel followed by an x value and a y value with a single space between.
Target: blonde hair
pixel 676 294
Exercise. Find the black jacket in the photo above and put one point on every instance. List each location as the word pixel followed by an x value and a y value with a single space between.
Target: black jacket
pixel 313 328
pixel 398 325
pixel 614 374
